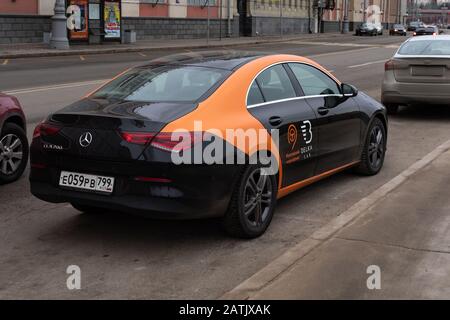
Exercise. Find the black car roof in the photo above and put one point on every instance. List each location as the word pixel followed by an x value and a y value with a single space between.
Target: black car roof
pixel 226 59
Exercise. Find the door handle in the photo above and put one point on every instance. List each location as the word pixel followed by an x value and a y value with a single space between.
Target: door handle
pixel 275 121
pixel 323 111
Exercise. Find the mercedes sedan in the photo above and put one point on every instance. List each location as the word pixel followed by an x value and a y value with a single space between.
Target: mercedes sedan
pixel 215 134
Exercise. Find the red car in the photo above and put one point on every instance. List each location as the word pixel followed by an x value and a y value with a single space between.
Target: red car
pixel 13 139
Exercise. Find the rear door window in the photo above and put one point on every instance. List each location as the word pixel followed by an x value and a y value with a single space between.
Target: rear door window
pixel 254 95
pixel 275 84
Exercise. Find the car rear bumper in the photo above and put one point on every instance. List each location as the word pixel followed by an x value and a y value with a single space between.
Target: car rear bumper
pixel 398 98
pixel 156 207
pixel 394 92
pixel 192 192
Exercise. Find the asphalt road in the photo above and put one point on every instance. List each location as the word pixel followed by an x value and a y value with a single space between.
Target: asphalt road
pixel 130 257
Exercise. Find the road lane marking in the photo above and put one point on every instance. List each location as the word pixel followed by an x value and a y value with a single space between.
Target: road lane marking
pixel 339 52
pixel 82 58
pixel 5 62
pixel 55 87
pixel 276 268
pixel 367 64
pixel 339 44
pixel 142 54
pixel 336 44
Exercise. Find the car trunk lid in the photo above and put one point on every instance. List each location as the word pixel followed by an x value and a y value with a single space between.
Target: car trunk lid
pixel 93 128
pixel 421 69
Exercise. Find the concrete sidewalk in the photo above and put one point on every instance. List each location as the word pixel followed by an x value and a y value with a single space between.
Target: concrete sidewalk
pixel 42 50
pixel 406 234
pixel 402 228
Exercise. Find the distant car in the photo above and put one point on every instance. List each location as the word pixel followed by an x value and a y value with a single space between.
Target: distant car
pixel 427 31
pixel 13 140
pixel 398 29
pixel 367 29
pixel 418 73
pixel 413 26
pixel 379 28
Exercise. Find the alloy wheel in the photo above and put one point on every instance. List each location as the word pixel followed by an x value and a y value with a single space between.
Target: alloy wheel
pixel 376 147
pixel 11 154
pixel 257 197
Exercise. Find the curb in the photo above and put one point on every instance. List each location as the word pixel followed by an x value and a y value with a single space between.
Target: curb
pixel 75 52
pixel 277 267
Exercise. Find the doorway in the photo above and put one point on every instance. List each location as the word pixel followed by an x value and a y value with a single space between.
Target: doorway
pixel 244 21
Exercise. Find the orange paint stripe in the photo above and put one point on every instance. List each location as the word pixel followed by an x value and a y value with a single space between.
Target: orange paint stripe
pixel 293 187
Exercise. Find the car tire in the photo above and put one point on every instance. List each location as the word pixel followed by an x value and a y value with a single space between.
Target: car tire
pixel 86 209
pixel 11 167
pixel 372 158
pixel 252 204
pixel 392 108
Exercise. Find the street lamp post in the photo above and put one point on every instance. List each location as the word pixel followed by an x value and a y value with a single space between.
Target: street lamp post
pixel 345 23
pixel 59 27
pixel 281 19
pixel 365 11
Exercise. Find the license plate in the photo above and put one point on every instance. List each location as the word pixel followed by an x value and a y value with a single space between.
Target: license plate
pixel 87 182
pixel 430 71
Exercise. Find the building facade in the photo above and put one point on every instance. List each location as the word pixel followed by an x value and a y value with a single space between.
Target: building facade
pixel 97 21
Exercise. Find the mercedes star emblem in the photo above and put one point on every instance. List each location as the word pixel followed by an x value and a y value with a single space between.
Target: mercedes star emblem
pixel 85 139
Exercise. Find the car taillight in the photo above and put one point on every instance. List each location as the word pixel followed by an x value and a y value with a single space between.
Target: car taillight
pixel 389 65
pixel 137 137
pixel 45 129
pixel 176 141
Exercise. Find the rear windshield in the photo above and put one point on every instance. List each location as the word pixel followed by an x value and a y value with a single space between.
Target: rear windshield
pixel 162 84
pixel 426 47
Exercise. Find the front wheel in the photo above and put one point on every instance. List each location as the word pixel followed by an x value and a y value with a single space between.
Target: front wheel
pixel 374 151
pixel 252 204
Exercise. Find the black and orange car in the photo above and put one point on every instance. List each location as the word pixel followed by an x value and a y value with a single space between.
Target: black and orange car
pixel 115 149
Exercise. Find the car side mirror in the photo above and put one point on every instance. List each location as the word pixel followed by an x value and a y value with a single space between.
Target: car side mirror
pixel 348 90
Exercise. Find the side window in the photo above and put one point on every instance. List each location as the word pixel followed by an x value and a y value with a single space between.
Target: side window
pixel 254 95
pixel 313 81
pixel 275 84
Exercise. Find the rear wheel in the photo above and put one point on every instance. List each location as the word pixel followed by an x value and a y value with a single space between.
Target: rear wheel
pixel 392 108
pixel 252 203
pixel 13 153
pixel 86 209
pixel 372 158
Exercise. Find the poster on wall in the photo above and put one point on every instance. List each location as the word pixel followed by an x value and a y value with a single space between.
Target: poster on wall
pixel 112 19
pixel 77 19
